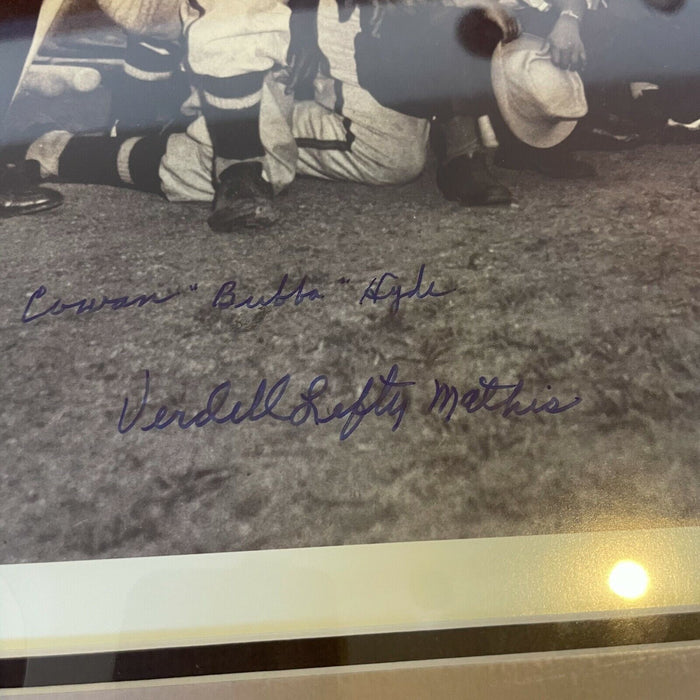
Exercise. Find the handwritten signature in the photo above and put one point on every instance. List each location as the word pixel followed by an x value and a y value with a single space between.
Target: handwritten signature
pixel 266 404
pixel 228 296
pixel 376 291
pixel 88 305
pixel 447 397
pixel 382 396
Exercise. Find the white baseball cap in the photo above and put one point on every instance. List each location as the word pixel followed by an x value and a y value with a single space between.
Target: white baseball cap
pixel 540 102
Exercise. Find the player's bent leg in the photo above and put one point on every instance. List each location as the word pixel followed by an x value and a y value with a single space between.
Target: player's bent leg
pixel 345 134
pixel 231 46
pixel 177 165
pixel 131 162
pixel 333 147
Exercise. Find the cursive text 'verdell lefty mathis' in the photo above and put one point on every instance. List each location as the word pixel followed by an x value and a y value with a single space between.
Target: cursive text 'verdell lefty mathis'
pixel 381 396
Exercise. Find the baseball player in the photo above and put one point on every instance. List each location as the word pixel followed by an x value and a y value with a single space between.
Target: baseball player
pixel 434 61
pixel 229 48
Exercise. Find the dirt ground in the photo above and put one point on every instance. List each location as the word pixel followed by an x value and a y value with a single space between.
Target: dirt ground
pixel 588 288
pixel 585 289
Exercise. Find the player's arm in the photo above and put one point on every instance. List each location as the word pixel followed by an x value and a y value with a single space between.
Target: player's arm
pixel 564 41
pixel 304 54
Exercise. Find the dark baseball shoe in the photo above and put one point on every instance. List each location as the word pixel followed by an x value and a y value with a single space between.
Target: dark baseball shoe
pixel 601 139
pixel 554 163
pixel 20 192
pixel 242 200
pixel 468 181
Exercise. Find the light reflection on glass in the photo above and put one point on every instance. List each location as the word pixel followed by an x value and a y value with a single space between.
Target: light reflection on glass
pixel 628 579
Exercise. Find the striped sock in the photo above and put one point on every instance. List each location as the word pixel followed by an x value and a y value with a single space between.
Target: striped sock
pixel 151 88
pixel 121 162
pixel 150 59
pixel 232 110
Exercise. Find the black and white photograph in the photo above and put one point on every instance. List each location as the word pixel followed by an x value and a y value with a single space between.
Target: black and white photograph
pixel 298 273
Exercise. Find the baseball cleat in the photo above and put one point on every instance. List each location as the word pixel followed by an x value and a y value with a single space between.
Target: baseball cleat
pixel 469 181
pixel 31 201
pixel 242 200
pixel 20 192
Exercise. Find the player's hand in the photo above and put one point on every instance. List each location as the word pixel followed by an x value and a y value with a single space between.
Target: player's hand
pixel 304 55
pixel 505 21
pixel 302 67
pixel 565 46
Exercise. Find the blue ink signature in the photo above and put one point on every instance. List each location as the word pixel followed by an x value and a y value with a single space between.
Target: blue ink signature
pixel 447 398
pixel 379 397
pixel 266 404
pixel 89 305
pixel 226 296
pixel 375 292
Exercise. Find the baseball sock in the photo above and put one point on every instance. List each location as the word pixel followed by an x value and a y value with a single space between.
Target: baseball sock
pixel 101 160
pixel 149 91
pixel 461 136
pixel 232 111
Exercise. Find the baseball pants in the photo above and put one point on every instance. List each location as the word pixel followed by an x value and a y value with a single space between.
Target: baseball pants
pixel 342 134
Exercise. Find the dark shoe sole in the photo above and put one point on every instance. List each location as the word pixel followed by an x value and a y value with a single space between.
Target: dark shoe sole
pixel 37 207
pixel 243 200
pixel 600 140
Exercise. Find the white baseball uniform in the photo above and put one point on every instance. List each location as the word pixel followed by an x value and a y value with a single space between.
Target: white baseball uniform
pixel 342 134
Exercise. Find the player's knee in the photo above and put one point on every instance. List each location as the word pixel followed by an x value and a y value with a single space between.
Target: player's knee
pixel 406 166
pixel 198 58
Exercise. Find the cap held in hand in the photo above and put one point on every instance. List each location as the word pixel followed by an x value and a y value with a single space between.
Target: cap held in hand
pixel 540 102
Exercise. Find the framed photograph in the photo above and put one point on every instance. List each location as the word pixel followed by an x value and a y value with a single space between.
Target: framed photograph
pixel 344 334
